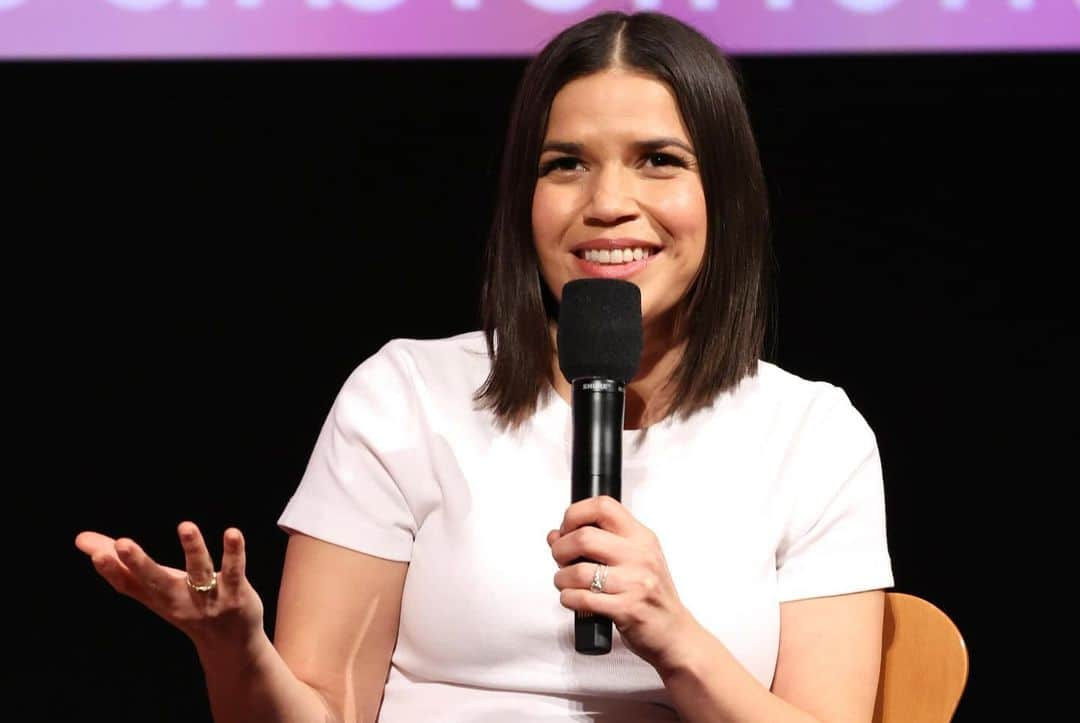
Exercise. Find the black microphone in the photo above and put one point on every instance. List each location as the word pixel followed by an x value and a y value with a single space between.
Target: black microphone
pixel 599 340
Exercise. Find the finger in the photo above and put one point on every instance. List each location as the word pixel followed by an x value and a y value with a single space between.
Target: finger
pixel 580 577
pixel 109 566
pixel 602 511
pixel 591 543
pixel 142 568
pixel 233 560
pixel 197 561
pixel 93 542
pixel 592 602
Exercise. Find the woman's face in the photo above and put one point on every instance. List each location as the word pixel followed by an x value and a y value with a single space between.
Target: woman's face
pixel 619 194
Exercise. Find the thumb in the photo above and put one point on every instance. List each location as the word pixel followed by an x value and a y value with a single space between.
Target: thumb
pixel 91 542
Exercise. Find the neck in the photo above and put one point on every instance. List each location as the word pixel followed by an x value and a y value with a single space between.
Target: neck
pixel 648 395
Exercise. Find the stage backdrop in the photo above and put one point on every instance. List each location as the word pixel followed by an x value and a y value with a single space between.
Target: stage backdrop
pixel 417 28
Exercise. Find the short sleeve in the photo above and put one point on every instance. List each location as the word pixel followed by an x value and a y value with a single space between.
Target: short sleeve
pixel 835 541
pixel 368 483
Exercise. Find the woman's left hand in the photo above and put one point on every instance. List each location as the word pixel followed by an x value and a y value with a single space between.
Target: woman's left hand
pixel 638 595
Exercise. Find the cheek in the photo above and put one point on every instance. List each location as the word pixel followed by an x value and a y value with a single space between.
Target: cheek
pixel 549 226
pixel 548 212
pixel 683 213
pixel 540 215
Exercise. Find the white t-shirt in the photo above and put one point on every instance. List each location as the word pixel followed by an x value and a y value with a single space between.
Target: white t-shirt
pixel 774 493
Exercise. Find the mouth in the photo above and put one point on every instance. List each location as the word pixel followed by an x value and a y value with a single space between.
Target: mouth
pixel 617 255
pixel 615 251
pixel 614 258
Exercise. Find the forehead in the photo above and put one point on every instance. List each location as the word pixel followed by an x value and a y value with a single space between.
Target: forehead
pixel 615 102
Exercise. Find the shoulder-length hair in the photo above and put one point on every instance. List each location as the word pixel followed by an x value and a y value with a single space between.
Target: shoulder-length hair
pixel 725 311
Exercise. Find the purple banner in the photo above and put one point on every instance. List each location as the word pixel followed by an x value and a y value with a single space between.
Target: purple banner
pixel 74 29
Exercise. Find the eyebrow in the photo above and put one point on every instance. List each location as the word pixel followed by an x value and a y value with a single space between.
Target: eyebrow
pixel 652 144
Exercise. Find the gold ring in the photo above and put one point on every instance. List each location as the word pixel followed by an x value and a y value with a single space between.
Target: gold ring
pixel 208 587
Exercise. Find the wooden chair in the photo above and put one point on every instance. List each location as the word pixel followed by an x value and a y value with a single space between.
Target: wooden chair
pixel 924 663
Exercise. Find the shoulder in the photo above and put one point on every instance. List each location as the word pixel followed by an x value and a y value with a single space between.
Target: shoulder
pixel 777 384
pixel 407 368
pixel 434 361
pixel 801 408
pixel 459 352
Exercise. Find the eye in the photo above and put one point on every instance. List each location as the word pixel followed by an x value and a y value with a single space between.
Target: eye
pixel 664 159
pixel 562 163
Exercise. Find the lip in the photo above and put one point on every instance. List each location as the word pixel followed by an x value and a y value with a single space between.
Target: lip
pixel 614 243
pixel 611 271
pixel 614 271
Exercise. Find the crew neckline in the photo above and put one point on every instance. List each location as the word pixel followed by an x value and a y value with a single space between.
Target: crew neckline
pixel 555 421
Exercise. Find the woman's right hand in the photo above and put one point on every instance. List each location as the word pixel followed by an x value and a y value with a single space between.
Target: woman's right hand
pixel 228 617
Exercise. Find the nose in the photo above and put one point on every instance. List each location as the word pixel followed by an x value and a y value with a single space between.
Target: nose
pixel 611 199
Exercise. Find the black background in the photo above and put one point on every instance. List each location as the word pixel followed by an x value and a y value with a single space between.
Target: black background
pixel 200 252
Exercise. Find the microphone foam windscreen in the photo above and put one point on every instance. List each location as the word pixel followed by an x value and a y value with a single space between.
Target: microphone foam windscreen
pixel 600 331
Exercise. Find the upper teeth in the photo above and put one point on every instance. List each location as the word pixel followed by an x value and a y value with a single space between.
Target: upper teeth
pixel 615 256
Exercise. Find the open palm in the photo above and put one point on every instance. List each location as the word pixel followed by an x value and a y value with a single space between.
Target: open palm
pixel 229 613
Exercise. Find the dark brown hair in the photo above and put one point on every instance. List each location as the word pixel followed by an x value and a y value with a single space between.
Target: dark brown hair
pixel 726 308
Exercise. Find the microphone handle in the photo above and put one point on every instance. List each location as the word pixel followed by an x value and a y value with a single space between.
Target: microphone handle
pixel 598 408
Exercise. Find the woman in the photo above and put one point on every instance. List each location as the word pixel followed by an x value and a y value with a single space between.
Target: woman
pixel 743 566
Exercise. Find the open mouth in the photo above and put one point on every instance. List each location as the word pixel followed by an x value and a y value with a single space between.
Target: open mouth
pixel 616 256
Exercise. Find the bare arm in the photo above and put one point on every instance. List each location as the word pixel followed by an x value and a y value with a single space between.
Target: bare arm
pixel 255 684
pixel 337 623
pixel 826 670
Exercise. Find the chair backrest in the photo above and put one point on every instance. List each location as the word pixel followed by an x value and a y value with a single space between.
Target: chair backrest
pixel 924 663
